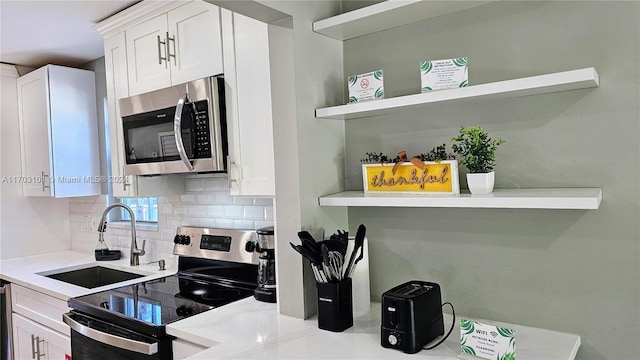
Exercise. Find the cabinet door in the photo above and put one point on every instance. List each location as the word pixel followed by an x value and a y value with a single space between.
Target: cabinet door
pixel 74 131
pixel 115 58
pixel 34 341
pixel 249 113
pixel 35 139
pixel 56 345
pixel 147 66
pixel 194 42
pixel 24 333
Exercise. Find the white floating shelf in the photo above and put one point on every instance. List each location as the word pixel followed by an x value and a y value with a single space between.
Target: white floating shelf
pixel 533 85
pixel 551 198
pixel 386 15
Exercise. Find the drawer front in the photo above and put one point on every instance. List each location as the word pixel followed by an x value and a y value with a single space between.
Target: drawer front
pixel 40 308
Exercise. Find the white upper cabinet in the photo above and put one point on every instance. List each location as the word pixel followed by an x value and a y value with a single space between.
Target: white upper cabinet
pixel 115 58
pixel 123 186
pixel 249 109
pixel 195 42
pixel 181 45
pixel 147 63
pixel 58 132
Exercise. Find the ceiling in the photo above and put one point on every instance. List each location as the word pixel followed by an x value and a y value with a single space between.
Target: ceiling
pixel 36 33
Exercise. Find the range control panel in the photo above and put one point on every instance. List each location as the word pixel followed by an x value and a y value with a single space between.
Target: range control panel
pixel 217 244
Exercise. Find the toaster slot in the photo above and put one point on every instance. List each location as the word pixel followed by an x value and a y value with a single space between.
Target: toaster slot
pixel 414 289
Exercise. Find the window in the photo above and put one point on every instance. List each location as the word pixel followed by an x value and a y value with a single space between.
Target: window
pixel 145 209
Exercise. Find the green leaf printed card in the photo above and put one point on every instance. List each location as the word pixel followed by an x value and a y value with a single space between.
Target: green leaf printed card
pixel 365 87
pixel 483 341
pixel 444 74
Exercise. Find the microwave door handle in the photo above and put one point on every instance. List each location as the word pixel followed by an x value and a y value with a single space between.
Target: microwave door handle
pixel 177 131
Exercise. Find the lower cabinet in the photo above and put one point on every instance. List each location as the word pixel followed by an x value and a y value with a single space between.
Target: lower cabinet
pixel 38 330
pixel 34 341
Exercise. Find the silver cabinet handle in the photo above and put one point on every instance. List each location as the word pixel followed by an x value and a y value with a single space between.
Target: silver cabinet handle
pixel 160 57
pixel 38 341
pixel 231 179
pixel 169 54
pixel 112 340
pixel 34 339
pixel 177 132
pixel 44 183
pixel 124 182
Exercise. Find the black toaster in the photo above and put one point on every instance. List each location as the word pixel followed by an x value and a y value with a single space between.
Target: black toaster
pixel 411 316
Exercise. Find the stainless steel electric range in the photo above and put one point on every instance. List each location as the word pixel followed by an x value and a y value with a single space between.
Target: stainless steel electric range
pixel 129 322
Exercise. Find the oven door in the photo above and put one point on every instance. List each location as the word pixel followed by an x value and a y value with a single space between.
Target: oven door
pixel 94 339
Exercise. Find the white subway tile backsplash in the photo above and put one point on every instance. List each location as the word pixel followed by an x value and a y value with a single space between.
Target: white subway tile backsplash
pixel 207 203
pixel 196 210
pixel 188 199
pixel 254 212
pixel 166 209
pixel 261 224
pixel 263 201
pixel 233 212
pixel 242 200
pixel 173 198
pixel 224 223
pixel 167 234
pixel 216 184
pixel 194 185
pixel 173 222
pixel 208 222
pixel 205 198
pixel 243 224
pixel 215 211
pixel 223 198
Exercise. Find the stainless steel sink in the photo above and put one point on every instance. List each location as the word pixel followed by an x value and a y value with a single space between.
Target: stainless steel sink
pixel 93 277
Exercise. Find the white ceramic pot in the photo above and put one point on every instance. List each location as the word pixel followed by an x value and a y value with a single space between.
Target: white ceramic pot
pixel 481 184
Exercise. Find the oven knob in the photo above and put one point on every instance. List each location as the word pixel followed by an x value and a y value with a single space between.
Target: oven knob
pixel 184 311
pixel 250 246
pixel 176 239
pixel 187 240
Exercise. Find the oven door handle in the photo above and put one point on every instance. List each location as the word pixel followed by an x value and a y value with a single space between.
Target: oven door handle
pixel 112 340
pixel 177 131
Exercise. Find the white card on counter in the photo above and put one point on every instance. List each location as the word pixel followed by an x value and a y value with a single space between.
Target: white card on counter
pixel 484 341
pixel 365 87
pixel 444 74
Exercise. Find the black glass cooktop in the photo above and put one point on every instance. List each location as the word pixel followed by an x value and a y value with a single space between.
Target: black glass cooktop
pixel 148 306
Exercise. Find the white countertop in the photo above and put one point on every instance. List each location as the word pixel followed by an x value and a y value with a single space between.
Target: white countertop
pixel 250 329
pixel 30 272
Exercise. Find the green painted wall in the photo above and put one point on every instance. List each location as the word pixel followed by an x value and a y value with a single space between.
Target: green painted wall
pixel 567 270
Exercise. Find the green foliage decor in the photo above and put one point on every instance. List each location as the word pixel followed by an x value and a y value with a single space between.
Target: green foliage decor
pixel 476 149
pixel 437 154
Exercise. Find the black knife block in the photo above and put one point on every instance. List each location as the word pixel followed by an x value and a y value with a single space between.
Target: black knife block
pixel 335 305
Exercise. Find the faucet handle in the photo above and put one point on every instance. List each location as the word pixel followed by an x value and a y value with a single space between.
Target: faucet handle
pixel 144 242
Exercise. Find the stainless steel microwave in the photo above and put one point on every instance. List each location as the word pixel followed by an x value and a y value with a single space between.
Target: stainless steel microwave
pixel 180 129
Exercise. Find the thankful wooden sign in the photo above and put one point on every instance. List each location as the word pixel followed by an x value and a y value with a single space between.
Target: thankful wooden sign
pixel 409 178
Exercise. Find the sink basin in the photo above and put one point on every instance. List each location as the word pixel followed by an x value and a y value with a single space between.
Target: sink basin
pixel 93 277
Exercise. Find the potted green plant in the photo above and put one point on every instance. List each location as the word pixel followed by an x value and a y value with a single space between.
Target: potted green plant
pixel 477 152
